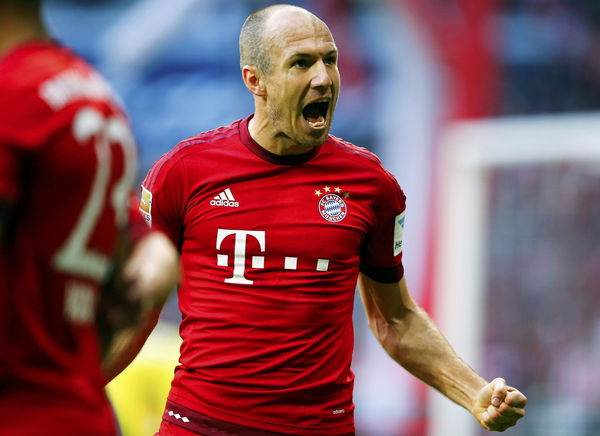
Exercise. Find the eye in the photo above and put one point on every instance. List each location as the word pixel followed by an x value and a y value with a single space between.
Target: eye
pixel 300 63
pixel 330 60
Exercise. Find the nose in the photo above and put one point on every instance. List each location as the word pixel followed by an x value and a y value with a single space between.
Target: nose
pixel 321 76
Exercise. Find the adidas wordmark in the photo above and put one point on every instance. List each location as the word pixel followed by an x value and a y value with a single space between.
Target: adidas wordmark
pixel 225 198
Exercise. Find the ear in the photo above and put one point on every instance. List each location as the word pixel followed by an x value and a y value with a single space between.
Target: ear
pixel 252 80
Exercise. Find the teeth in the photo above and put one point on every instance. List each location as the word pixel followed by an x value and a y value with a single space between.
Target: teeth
pixel 317 124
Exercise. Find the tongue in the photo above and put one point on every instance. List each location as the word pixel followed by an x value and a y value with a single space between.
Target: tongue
pixel 312 114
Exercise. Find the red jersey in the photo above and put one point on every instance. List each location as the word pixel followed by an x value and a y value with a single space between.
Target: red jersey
pixel 271 247
pixel 67 163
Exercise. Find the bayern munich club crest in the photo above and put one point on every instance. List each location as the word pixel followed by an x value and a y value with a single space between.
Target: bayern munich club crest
pixel 333 208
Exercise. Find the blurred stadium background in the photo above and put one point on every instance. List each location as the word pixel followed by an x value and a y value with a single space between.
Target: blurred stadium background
pixel 484 112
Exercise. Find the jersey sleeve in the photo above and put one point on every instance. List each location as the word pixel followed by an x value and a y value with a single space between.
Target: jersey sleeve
pixel 162 198
pixel 381 252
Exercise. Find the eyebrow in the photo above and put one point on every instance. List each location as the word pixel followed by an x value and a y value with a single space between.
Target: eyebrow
pixel 307 55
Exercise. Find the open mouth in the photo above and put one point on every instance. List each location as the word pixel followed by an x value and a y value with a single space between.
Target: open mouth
pixel 316 114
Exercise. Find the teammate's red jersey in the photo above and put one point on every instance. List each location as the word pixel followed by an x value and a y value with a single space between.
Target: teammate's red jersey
pixel 271 247
pixel 67 162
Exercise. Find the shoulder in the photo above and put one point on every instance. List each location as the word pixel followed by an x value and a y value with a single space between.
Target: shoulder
pixel 27 67
pixel 55 75
pixel 363 159
pixel 352 151
pixel 207 140
pixel 41 87
pixel 22 72
pixel 193 147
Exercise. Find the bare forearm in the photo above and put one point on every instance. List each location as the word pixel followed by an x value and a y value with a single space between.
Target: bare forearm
pixel 411 339
pixel 151 271
pixel 415 343
pixel 409 336
pixel 126 344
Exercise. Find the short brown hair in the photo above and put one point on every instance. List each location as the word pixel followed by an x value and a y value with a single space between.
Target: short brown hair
pixel 253 49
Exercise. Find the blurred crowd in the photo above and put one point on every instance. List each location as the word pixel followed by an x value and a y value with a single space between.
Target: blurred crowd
pixel 548 55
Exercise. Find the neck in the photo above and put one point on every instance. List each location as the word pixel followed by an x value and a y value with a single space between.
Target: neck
pixel 265 134
pixel 17 28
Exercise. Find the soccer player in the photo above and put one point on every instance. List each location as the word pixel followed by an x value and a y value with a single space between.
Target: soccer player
pixel 276 221
pixel 67 164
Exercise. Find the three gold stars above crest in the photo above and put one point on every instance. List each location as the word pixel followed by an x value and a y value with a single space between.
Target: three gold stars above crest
pixel 327 189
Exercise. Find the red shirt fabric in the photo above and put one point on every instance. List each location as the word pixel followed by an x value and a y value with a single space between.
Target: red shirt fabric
pixel 271 247
pixel 67 161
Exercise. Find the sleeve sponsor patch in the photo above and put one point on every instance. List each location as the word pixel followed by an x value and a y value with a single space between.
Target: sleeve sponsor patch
pixel 146 205
pixel 398 233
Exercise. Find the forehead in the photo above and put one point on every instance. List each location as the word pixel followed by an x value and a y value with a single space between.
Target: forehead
pixel 298 33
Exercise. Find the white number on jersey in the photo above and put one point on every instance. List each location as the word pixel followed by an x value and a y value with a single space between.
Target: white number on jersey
pixel 75 257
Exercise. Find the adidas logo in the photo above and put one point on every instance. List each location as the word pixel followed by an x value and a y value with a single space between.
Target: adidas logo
pixel 225 198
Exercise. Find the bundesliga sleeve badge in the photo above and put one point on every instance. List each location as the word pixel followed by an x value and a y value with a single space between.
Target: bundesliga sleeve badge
pixel 399 233
pixel 146 205
pixel 332 206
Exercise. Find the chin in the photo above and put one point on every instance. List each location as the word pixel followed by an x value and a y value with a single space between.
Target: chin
pixel 317 138
pixel 309 138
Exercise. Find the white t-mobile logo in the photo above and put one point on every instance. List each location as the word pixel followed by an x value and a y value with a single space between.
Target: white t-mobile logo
pixel 239 255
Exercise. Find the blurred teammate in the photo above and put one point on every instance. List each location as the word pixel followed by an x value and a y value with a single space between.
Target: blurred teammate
pixel 276 220
pixel 67 162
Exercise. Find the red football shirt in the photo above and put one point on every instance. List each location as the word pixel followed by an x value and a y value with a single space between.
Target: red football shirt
pixel 271 247
pixel 66 166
